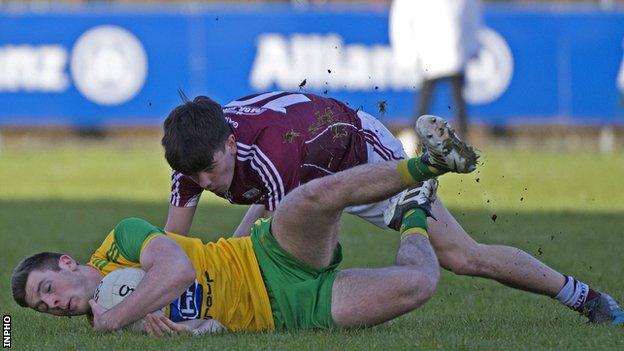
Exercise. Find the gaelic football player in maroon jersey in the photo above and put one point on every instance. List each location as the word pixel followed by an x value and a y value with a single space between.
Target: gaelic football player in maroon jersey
pixel 256 149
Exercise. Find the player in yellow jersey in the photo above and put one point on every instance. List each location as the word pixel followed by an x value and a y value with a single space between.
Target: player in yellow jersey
pixel 282 277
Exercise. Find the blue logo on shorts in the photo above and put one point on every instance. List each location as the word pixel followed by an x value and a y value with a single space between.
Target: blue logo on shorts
pixel 188 305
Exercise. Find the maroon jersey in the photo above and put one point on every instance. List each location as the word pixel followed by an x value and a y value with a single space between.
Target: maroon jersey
pixel 283 139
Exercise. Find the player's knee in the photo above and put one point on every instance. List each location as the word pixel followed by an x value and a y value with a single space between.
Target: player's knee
pixel 309 194
pixel 314 194
pixel 428 285
pixel 420 287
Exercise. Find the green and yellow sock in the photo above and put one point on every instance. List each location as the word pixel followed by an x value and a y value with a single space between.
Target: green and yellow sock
pixel 414 222
pixel 414 171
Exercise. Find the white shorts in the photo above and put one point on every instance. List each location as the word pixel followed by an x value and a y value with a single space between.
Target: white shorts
pixel 381 146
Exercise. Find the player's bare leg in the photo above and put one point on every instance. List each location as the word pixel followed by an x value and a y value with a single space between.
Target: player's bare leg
pixel 306 225
pixel 364 297
pixel 461 254
pixel 457 251
pixel 513 267
pixel 307 221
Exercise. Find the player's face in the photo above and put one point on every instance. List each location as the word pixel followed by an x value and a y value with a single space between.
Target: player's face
pixel 219 178
pixel 62 293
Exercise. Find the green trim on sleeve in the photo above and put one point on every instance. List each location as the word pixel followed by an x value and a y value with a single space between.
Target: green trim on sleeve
pixel 130 234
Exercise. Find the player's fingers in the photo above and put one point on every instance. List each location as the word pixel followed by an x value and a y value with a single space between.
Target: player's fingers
pixel 179 328
pixel 147 326
pixel 164 328
pixel 209 326
pixel 151 327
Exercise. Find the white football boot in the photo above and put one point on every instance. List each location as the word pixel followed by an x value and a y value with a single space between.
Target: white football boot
pixel 442 147
pixel 419 196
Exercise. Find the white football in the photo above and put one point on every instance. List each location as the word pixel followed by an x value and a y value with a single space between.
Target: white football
pixel 116 286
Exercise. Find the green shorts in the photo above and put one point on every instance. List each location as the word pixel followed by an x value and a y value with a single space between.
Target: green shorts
pixel 300 295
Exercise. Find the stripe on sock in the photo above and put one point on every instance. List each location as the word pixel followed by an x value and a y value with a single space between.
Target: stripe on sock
pixel 573 293
pixel 415 230
pixel 404 173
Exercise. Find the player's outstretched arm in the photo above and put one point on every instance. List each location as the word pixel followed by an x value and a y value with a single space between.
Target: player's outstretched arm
pixel 253 213
pixel 168 273
pixel 179 219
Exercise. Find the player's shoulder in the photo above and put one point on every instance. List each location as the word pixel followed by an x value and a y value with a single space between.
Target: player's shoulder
pixel 132 225
pixel 274 103
pixel 275 113
pixel 263 97
pixel 132 222
pixel 125 240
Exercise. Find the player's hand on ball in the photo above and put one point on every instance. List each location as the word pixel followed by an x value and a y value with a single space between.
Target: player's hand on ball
pixel 101 320
pixel 159 325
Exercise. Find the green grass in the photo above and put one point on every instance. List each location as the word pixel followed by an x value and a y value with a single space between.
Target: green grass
pixel 565 209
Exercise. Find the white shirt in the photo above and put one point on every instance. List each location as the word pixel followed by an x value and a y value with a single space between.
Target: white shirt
pixel 438 36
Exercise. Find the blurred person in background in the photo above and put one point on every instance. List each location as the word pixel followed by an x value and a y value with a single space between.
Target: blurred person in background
pixel 441 35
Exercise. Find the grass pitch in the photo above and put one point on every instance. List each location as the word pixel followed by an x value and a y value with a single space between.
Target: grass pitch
pixel 565 209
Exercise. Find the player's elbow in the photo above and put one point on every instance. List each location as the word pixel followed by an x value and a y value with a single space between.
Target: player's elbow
pixel 186 275
pixel 183 274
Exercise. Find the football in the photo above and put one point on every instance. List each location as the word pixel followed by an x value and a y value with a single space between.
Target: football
pixel 116 286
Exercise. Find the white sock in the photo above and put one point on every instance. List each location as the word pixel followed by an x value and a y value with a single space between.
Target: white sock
pixel 573 294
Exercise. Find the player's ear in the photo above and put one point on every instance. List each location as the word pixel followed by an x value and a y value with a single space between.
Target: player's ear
pixel 67 262
pixel 230 144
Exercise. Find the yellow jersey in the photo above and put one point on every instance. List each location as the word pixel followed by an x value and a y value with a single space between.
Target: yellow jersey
pixel 228 286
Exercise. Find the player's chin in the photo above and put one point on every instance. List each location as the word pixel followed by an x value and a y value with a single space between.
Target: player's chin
pixel 78 307
pixel 69 313
pixel 82 309
pixel 219 192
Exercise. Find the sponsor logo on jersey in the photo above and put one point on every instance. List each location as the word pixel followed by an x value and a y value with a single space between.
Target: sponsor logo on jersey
pixel 232 122
pixel 251 193
pixel 188 305
pixel 209 282
pixel 244 110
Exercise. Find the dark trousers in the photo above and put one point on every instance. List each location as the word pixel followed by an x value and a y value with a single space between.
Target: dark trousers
pixel 457 85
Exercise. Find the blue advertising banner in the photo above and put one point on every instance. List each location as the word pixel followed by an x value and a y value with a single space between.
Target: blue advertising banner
pixel 103 65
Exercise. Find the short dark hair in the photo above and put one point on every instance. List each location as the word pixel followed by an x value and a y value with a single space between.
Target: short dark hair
pixel 194 131
pixel 40 262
